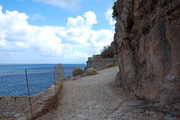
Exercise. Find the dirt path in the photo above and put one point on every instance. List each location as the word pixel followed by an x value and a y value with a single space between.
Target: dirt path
pixel 95 98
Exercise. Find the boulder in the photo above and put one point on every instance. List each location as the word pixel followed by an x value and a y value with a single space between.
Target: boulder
pixel 118 80
pixel 91 71
pixel 77 72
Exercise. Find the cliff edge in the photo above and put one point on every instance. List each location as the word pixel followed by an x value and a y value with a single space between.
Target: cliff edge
pixel 106 59
pixel 147 42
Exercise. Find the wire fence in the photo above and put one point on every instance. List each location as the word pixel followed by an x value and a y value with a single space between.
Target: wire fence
pixel 29 93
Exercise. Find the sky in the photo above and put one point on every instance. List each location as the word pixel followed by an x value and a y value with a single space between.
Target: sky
pixel 54 31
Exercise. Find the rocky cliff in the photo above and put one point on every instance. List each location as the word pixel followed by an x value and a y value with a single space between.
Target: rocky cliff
pixel 147 41
pixel 99 62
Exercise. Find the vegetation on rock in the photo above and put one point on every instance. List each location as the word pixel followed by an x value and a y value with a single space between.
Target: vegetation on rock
pixel 145 29
pixel 115 12
pixel 77 71
pixel 107 52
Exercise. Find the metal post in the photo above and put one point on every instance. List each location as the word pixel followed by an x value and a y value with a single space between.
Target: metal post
pixel 56 86
pixel 55 81
pixel 30 103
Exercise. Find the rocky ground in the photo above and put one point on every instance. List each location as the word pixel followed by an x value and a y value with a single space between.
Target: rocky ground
pixel 98 98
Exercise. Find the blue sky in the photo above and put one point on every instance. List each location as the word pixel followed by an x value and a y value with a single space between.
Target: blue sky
pixel 54 31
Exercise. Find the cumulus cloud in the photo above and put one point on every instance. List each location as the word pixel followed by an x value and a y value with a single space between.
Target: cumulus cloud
pixel 76 22
pixel 108 16
pixel 71 43
pixel 90 18
pixel 67 4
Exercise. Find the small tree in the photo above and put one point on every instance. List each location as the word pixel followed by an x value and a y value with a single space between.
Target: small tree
pixel 107 52
pixel 77 71
pixel 115 12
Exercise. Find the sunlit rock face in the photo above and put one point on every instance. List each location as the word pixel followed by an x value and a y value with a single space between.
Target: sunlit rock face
pixel 99 62
pixel 147 41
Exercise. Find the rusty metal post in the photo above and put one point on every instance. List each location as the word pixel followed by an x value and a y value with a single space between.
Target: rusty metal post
pixel 28 91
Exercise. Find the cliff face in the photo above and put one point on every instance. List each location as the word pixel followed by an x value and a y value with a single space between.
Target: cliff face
pixel 147 42
pixel 98 62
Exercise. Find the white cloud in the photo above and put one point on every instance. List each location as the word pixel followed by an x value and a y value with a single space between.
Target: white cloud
pixel 37 17
pixel 108 16
pixel 76 22
pixel 67 4
pixel 85 21
pixel 90 18
pixel 71 43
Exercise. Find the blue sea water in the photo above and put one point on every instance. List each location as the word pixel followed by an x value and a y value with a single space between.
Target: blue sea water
pixel 40 76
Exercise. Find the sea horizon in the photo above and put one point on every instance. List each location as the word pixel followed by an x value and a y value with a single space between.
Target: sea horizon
pixel 41 76
pixel 36 63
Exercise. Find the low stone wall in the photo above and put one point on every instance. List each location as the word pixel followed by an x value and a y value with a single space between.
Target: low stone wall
pixel 19 107
pixel 18 104
pixel 98 62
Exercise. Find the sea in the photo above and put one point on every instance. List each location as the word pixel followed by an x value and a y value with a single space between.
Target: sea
pixel 13 80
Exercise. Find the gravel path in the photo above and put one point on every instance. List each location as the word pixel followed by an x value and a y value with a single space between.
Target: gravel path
pixel 90 97
pixel 97 98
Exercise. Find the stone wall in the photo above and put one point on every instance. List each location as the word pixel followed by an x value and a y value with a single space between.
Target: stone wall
pixel 19 107
pixel 147 40
pixel 98 62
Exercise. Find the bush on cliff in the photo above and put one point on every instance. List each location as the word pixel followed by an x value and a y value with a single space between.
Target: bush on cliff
pixel 77 72
pixel 115 12
pixel 107 52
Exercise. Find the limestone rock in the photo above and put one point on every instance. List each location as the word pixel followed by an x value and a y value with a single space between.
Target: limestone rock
pixel 147 43
pixel 91 71
pixel 77 72
pixel 118 80
pixel 98 62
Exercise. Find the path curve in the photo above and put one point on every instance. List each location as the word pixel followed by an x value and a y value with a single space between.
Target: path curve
pixel 97 98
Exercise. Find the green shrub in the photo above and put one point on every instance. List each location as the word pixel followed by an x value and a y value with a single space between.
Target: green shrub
pixel 107 52
pixel 115 12
pixel 145 29
pixel 77 72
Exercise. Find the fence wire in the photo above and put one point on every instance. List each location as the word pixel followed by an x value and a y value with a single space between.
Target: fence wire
pixel 21 90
